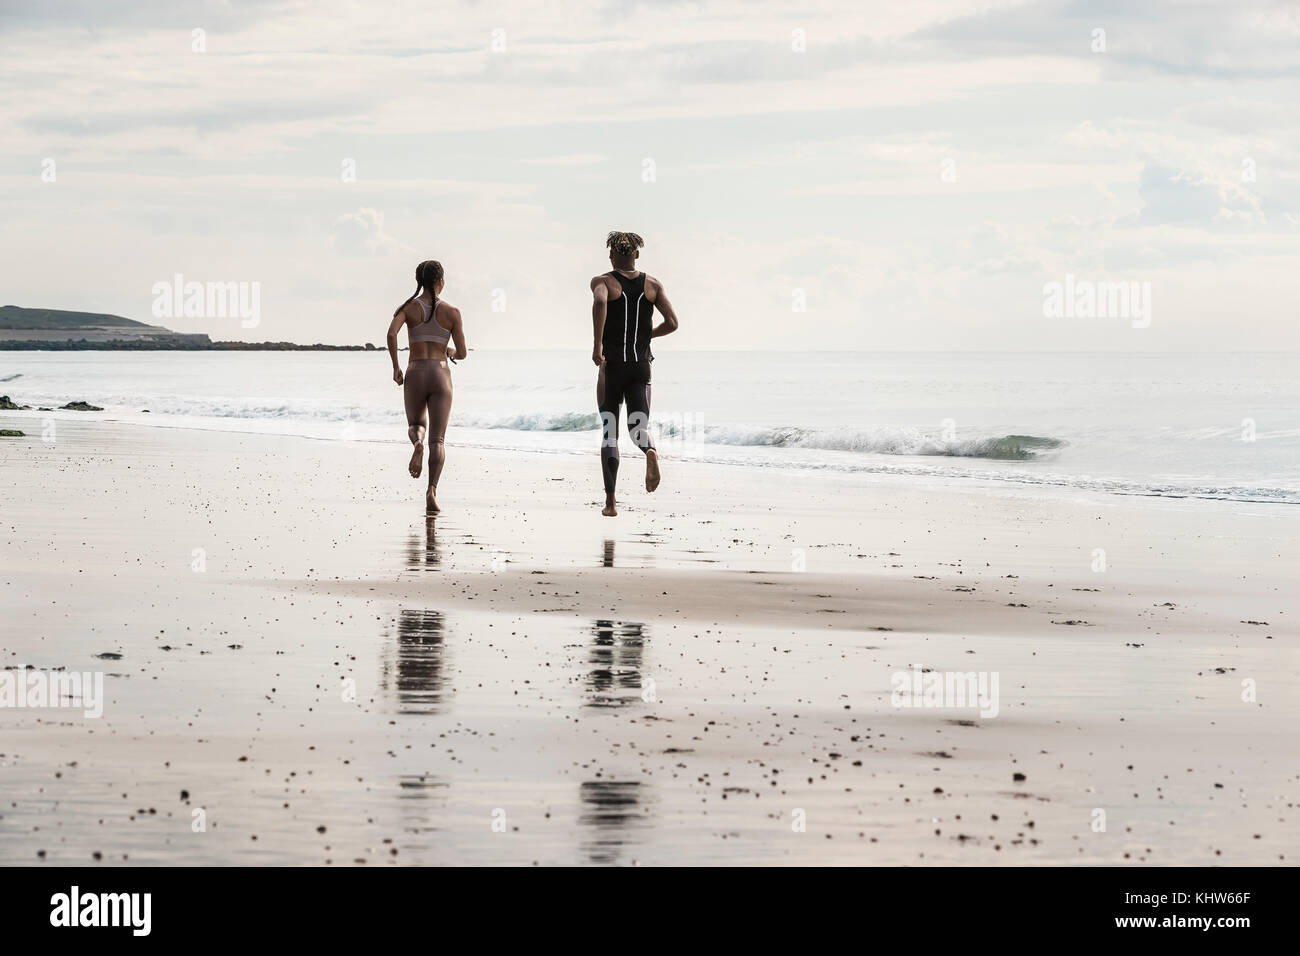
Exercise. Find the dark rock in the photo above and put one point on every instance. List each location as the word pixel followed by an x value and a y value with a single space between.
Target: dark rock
pixel 82 407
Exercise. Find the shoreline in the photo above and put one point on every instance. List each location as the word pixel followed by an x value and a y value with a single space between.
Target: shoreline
pixel 937 418
pixel 911 467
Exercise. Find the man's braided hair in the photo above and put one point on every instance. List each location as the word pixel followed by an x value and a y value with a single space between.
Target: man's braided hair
pixel 624 243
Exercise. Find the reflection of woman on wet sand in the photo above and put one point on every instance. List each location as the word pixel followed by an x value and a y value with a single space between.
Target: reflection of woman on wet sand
pixel 423 555
pixel 430 323
pixel 414 666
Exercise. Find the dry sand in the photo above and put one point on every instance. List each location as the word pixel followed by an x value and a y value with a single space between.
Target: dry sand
pixel 329 677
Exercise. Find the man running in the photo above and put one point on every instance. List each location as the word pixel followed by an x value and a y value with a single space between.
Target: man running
pixel 622 323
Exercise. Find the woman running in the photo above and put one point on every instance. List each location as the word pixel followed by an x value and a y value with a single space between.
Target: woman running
pixel 426 385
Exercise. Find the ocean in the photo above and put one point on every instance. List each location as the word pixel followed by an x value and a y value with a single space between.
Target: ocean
pixel 1193 425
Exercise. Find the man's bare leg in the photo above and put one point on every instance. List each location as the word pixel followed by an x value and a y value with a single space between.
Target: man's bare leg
pixel 609 511
pixel 430 502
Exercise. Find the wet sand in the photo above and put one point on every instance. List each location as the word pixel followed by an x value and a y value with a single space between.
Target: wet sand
pixel 332 678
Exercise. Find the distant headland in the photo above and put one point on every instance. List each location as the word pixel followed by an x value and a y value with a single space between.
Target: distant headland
pixel 54 330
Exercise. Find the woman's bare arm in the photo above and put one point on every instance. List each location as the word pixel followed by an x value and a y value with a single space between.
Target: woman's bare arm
pixel 452 317
pixel 393 328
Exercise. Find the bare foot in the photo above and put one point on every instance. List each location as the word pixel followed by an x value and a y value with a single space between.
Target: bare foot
pixel 430 505
pixel 651 470
pixel 609 511
pixel 417 460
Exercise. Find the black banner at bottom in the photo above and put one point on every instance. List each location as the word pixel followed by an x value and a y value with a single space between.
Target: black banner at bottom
pixel 304 905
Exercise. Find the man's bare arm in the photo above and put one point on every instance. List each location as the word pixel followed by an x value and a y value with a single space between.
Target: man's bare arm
pixel 669 324
pixel 599 302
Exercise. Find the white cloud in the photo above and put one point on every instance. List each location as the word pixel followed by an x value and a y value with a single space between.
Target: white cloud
pixel 363 233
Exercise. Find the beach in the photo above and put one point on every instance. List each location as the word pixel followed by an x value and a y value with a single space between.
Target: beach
pixel 290 648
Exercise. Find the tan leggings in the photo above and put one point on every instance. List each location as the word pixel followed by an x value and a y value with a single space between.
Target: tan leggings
pixel 427 393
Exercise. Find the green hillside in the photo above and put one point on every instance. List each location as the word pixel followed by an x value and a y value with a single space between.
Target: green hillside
pixel 16 317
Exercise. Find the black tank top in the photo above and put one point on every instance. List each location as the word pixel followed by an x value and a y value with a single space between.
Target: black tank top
pixel 628 321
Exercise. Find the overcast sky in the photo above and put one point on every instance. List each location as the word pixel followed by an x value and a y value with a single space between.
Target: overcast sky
pixel 913 172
